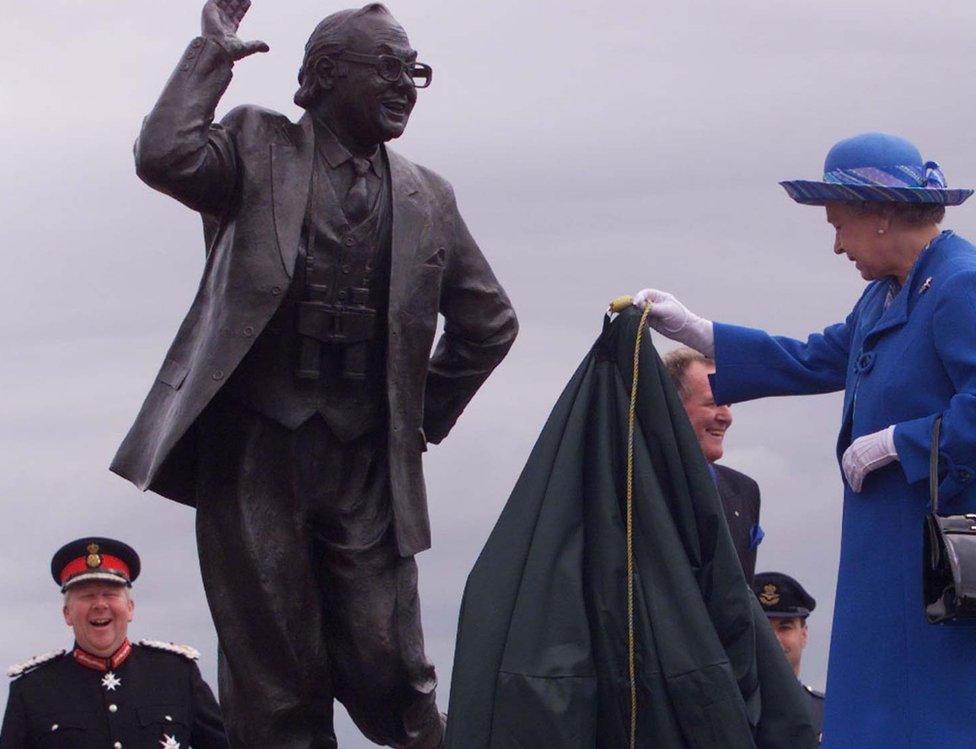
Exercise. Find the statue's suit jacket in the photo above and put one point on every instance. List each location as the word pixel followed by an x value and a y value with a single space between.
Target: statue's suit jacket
pixel 249 178
pixel 740 499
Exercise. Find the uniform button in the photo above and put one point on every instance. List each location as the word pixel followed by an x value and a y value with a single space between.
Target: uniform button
pixel 965 474
pixel 349 241
pixel 736 513
pixel 369 267
pixel 218 374
pixel 55 727
pixel 117 745
pixel 113 708
pixel 248 331
pixel 342 294
pixel 275 290
pixel 169 718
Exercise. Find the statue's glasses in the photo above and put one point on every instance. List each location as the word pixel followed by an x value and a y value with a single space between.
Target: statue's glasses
pixel 391 68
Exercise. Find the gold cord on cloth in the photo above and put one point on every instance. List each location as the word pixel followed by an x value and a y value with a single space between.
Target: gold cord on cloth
pixel 618 305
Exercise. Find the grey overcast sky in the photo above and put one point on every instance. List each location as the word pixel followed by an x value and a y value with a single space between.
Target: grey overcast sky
pixel 595 148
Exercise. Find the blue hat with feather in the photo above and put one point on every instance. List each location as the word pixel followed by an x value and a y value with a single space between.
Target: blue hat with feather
pixel 876 167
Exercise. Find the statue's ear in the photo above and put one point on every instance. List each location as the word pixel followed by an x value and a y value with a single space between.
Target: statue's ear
pixel 325 72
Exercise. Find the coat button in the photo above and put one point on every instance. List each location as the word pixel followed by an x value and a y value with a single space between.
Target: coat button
pixel 349 241
pixel 218 374
pixel 965 474
pixel 113 708
pixel 248 331
pixel 169 718
pixel 55 727
pixel 865 362
pixel 117 745
pixel 275 290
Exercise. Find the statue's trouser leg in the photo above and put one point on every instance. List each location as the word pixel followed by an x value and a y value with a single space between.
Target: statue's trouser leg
pixel 339 593
pixel 372 612
pixel 274 678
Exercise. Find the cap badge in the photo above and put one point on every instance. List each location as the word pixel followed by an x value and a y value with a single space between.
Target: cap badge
pixel 94 559
pixel 769 596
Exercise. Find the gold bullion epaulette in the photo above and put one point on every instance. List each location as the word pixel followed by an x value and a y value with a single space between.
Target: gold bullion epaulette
pixel 171 647
pixel 31 663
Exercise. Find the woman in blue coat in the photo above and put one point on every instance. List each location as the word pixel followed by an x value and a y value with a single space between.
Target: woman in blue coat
pixel 904 355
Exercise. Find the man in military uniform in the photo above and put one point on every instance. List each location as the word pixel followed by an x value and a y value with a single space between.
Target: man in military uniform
pixel 787 606
pixel 107 691
pixel 739 493
pixel 296 401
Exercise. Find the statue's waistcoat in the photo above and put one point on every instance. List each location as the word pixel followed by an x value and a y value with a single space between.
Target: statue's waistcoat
pixel 341 280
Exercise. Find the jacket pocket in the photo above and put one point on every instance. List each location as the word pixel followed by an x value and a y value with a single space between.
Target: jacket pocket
pixel 164 722
pixel 172 373
pixel 61 730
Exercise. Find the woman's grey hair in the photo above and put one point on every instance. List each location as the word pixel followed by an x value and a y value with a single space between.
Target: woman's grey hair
pixel 913 214
pixel 329 38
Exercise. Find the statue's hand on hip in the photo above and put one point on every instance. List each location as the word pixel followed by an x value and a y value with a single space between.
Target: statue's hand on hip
pixel 219 22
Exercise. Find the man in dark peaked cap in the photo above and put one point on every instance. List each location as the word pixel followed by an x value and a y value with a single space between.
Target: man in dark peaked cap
pixel 787 606
pixel 107 691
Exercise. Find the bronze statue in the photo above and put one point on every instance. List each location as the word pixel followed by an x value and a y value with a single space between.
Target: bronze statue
pixel 295 403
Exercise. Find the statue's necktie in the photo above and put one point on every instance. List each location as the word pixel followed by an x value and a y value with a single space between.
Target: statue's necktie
pixel 356 204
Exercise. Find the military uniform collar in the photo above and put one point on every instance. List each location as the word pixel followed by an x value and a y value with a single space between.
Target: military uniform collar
pixel 97 663
pixel 335 153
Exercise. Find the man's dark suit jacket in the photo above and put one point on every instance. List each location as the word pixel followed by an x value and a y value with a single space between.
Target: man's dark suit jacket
pixel 740 497
pixel 249 178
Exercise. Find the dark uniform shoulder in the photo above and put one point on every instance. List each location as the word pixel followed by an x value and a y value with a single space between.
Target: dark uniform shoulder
pixel 35 662
pixel 184 651
pixel 735 476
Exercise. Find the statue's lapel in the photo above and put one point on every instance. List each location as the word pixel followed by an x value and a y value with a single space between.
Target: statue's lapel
pixel 291 173
pixel 410 220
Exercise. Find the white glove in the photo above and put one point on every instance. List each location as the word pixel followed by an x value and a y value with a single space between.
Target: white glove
pixel 672 319
pixel 866 454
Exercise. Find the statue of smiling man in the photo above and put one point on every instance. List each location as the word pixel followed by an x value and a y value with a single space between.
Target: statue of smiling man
pixel 294 405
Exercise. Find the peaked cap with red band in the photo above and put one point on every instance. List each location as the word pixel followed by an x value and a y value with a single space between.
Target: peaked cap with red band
pixel 93 558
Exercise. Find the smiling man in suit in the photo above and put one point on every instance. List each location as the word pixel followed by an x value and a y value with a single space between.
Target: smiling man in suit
pixel 689 372
pixel 298 396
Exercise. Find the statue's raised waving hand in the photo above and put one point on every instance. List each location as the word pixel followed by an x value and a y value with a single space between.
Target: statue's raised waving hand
pixel 219 21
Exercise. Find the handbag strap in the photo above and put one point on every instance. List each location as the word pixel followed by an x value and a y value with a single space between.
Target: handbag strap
pixel 934 466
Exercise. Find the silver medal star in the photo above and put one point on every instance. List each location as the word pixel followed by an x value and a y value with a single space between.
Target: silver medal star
pixel 169 742
pixel 110 681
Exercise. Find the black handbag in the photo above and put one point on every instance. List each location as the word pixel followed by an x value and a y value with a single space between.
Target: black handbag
pixel 949 556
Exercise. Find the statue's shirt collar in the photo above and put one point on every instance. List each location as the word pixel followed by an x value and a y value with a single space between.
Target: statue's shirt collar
pixel 337 154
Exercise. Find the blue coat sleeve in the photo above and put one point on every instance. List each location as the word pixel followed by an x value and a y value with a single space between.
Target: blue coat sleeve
pixel 954 329
pixel 751 364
